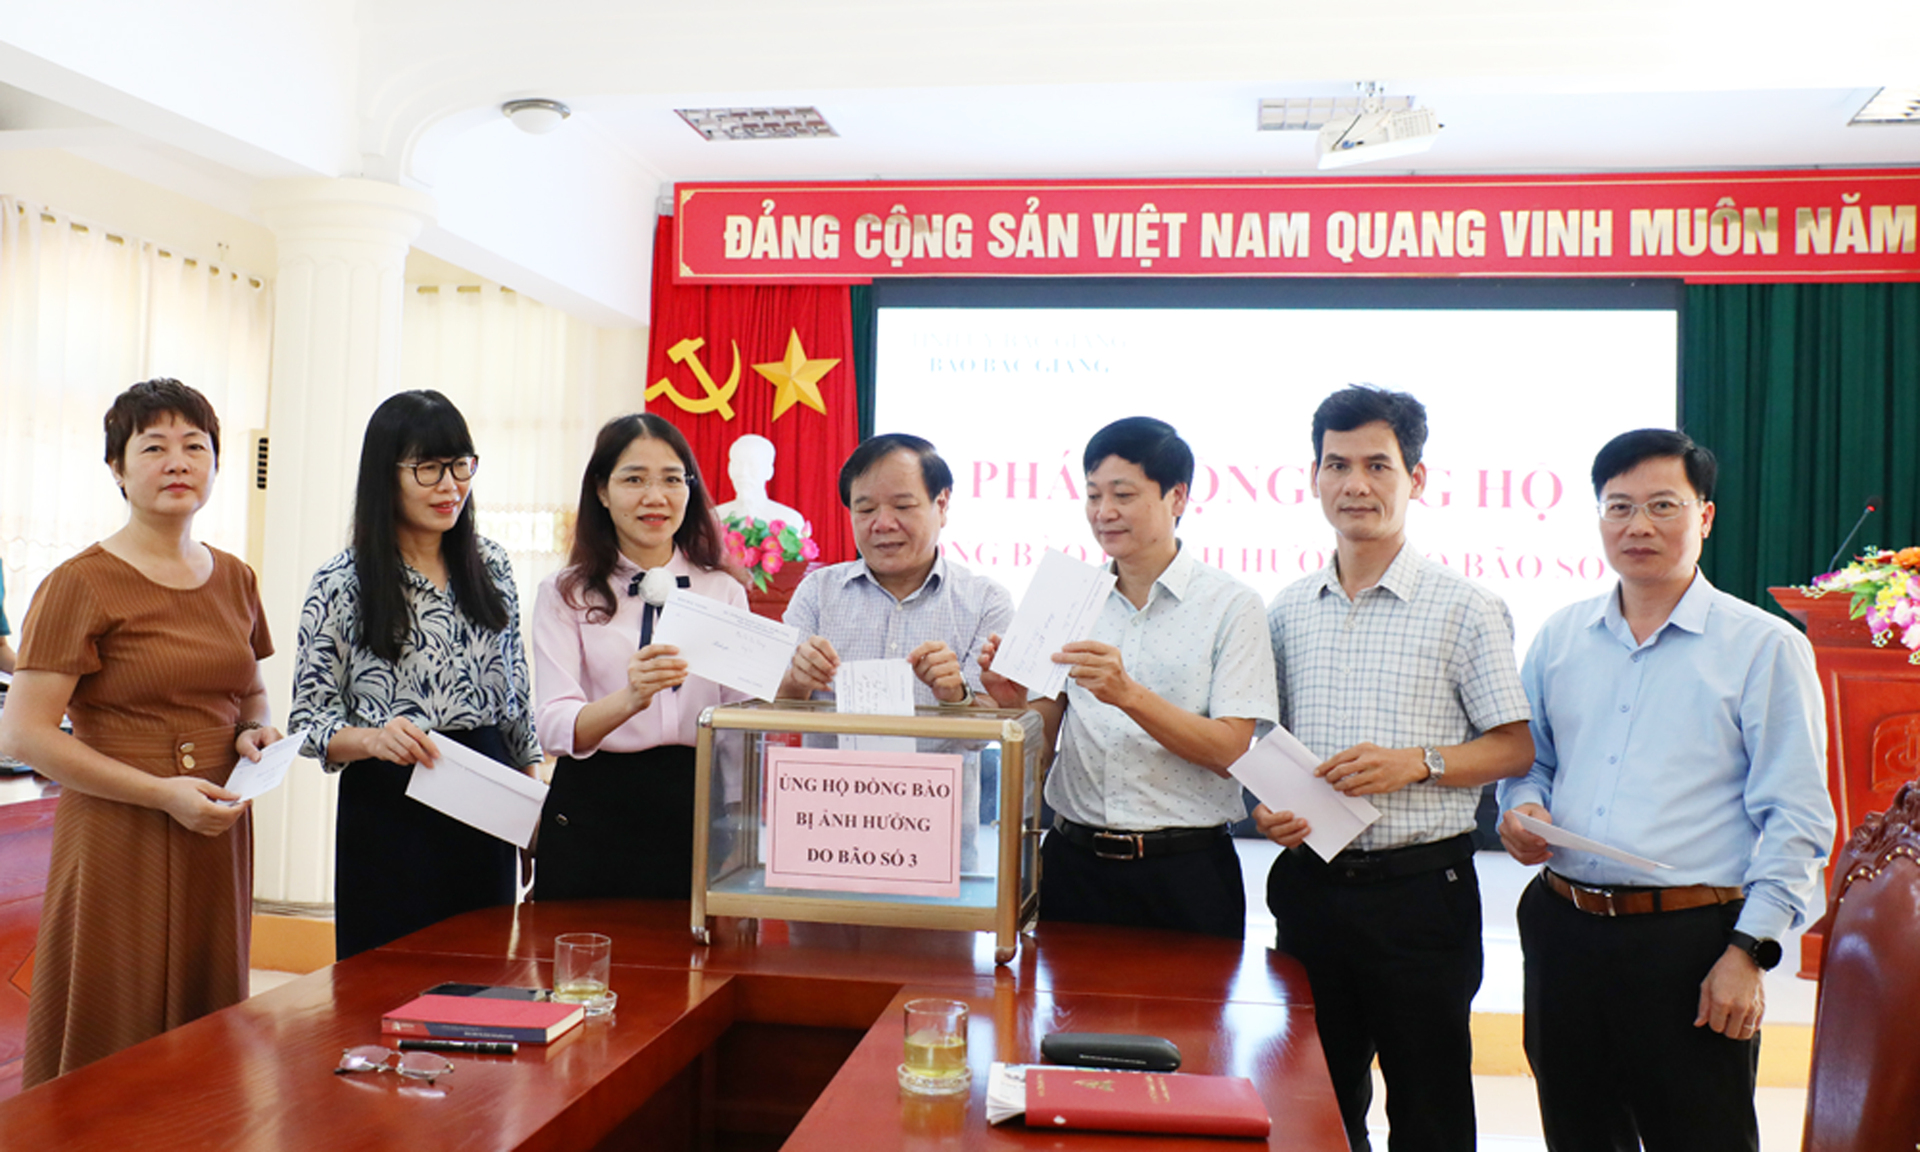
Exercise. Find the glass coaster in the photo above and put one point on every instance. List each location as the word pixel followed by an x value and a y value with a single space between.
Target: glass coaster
pixel 924 1085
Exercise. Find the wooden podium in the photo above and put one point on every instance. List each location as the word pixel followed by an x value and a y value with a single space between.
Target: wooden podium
pixel 1873 723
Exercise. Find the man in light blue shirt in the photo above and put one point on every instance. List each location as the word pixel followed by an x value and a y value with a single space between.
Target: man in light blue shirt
pixel 1682 725
pixel 902 600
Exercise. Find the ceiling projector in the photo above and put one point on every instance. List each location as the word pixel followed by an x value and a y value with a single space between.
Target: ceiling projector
pixel 1377 134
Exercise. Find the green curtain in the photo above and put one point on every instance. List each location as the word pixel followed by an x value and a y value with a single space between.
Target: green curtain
pixel 860 301
pixel 1810 396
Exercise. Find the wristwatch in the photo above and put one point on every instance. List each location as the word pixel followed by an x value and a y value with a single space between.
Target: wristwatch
pixel 1436 763
pixel 1765 953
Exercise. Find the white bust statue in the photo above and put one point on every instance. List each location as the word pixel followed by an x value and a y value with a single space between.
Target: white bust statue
pixel 750 466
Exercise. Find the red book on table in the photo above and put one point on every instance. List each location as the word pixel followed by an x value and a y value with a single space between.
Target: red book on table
pixel 1144 1102
pixel 481 1018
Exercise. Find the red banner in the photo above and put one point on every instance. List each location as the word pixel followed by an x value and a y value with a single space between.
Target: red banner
pixel 769 361
pixel 1726 227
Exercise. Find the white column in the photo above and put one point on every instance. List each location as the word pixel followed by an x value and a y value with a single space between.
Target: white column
pixel 336 354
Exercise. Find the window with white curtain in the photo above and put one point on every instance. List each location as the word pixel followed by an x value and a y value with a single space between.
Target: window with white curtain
pixel 84 313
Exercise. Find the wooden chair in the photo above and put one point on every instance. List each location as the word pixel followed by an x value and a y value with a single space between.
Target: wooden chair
pixel 1863 1094
pixel 26 848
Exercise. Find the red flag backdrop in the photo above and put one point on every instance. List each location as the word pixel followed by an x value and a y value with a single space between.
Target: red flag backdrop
pixel 744 359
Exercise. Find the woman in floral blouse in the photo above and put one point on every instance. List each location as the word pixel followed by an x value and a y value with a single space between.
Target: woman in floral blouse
pixel 410 636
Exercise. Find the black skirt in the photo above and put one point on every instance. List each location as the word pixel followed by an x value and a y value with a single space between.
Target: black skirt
pixel 618 824
pixel 399 865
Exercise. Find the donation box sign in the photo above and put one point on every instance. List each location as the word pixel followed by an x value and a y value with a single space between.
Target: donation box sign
pixel 874 822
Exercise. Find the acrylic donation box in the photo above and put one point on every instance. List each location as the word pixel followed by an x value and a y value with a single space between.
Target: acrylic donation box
pixel 923 821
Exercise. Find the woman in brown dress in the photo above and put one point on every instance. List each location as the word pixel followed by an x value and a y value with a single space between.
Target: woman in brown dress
pixel 150 642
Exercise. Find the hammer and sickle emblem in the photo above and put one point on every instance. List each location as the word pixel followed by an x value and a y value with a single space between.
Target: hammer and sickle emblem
pixel 688 352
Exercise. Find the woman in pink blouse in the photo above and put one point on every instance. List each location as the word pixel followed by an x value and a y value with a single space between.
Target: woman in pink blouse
pixel 619 711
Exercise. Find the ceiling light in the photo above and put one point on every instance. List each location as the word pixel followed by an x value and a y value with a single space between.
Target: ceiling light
pixel 1312 113
pixel 757 123
pixel 536 117
pixel 1890 106
pixel 1377 132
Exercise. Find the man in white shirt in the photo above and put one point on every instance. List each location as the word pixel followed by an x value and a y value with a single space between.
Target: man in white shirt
pixel 1402 675
pixel 1164 697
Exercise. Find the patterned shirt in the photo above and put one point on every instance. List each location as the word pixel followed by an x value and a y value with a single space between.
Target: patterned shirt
pixel 1422 659
pixel 1199 645
pixel 452 674
pixel 863 621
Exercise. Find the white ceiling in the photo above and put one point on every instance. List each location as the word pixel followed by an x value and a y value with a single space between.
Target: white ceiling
pixel 409 90
pixel 1206 128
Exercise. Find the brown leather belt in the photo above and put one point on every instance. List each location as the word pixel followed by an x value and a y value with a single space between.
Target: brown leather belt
pixel 1638 901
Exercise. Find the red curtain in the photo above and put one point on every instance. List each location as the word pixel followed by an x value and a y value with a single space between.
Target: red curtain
pixel 763 321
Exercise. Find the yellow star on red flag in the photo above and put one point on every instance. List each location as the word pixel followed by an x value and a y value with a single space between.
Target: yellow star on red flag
pixel 796 378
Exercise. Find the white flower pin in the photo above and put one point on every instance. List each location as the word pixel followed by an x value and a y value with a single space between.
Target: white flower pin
pixel 656 586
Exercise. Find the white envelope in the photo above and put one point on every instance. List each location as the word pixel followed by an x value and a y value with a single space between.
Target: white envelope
pixel 1553 834
pixel 254 778
pixel 1279 771
pixel 1061 606
pixel 874 688
pixel 727 645
pixel 480 791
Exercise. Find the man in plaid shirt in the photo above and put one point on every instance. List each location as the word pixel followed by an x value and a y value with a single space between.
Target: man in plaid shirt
pixel 1402 675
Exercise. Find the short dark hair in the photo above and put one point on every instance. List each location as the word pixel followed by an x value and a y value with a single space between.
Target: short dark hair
pixel 143 405
pixel 934 472
pixel 1629 450
pixel 585 583
pixel 1358 405
pixel 417 425
pixel 1152 444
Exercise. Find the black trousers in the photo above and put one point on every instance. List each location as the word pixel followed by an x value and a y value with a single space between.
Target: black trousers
pixel 1393 965
pixel 399 865
pixel 1610 1006
pixel 618 824
pixel 1198 891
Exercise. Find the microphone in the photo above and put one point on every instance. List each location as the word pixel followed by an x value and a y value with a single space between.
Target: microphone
pixel 1873 505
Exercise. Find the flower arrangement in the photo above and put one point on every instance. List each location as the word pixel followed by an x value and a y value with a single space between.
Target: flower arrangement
pixel 763 547
pixel 1886 590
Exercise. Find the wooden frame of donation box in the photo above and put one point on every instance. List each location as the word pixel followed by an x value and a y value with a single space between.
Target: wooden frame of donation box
pixel 923 821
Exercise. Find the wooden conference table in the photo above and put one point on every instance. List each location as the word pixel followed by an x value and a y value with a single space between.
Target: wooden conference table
pixel 780 1034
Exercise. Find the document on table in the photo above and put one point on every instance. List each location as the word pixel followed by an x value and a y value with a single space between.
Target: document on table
pixel 727 645
pixel 1060 606
pixel 874 688
pixel 480 791
pixel 252 778
pixel 1279 770
pixel 1554 834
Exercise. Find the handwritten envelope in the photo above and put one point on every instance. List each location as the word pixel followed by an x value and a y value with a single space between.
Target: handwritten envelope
pixel 874 688
pixel 1061 606
pixel 727 645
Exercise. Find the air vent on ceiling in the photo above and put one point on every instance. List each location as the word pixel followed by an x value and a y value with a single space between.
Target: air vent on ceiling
pixel 757 123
